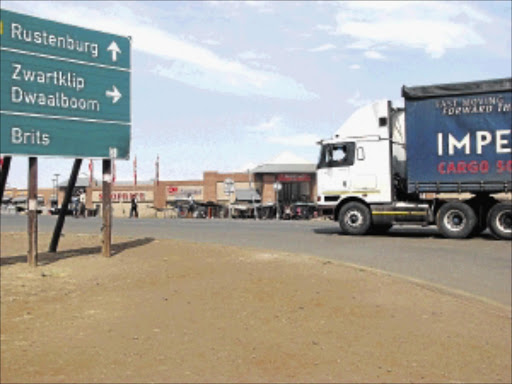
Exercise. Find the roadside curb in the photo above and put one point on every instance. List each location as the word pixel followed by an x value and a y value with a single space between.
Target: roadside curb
pixel 438 288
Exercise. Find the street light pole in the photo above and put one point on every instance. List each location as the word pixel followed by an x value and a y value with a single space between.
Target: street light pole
pixel 54 181
pixel 229 189
pixel 252 195
pixel 277 188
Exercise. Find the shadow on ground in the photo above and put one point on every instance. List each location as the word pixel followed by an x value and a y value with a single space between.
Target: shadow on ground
pixel 398 232
pixel 45 258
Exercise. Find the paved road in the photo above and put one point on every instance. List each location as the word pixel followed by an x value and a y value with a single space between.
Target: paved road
pixel 480 266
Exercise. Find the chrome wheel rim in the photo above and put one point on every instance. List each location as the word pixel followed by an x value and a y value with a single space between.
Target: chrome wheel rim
pixel 354 218
pixel 504 221
pixel 455 220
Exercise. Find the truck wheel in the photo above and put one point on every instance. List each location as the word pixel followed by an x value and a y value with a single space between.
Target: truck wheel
pixel 499 221
pixel 456 220
pixel 355 219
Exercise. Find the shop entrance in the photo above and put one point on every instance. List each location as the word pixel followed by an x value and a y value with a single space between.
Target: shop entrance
pixel 294 192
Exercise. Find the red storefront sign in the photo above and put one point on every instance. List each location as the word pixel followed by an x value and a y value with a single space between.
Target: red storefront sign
pixel 293 177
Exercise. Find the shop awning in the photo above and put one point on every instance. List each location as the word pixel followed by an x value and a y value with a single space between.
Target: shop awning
pixel 247 195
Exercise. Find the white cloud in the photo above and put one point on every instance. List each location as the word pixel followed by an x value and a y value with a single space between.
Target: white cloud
pixel 323 48
pixel 259 5
pixel 211 42
pixel 373 55
pixel 253 55
pixel 355 66
pixel 293 49
pixel 324 27
pixel 361 44
pixel 277 131
pixel 434 27
pixel 274 124
pixel 191 63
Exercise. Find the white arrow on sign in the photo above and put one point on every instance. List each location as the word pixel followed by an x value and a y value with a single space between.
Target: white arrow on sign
pixel 114 94
pixel 114 48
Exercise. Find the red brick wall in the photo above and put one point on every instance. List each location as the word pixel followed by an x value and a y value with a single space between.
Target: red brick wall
pixel 211 178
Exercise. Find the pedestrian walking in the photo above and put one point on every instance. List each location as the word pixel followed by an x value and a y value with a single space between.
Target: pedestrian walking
pixel 76 207
pixel 82 204
pixel 133 210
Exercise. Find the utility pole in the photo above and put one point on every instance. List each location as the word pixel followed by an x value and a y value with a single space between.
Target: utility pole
pixel 229 189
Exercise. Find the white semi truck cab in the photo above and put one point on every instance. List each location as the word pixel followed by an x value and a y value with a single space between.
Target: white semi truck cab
pixel 389 166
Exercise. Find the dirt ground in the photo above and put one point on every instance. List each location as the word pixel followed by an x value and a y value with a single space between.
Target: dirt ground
pixel 171 311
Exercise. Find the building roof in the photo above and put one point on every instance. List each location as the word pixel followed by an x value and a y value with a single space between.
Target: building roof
pixel 81 182
pixel 286 162
pixel 285 168
pixel 129 183
pixel 287 158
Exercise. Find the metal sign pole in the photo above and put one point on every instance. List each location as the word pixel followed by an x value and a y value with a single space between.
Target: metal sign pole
pixel 32 211
pixel 107 207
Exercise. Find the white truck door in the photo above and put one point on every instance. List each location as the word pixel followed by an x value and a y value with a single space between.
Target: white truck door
pixel 370 175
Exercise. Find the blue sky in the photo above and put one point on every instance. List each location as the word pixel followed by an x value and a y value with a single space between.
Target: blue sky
pixel 224 85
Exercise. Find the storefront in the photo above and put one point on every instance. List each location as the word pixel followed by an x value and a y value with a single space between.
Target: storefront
pixel 297 182
pixel 295 187
pixel 121 197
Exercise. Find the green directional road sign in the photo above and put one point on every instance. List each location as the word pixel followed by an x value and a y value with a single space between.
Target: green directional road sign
pixel 65 90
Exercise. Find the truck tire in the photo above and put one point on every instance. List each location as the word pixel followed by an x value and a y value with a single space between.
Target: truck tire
pixel 355 218
pixel 456 220
pixel 499 221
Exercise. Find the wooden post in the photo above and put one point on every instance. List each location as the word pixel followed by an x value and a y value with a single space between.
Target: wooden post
pixel 3 177
pixel 32 211
pixel 107 207
pixel 64 207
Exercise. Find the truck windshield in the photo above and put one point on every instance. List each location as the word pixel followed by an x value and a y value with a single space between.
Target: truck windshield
pixel 336 155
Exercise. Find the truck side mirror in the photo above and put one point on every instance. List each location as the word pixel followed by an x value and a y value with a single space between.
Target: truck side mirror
pixel 360 153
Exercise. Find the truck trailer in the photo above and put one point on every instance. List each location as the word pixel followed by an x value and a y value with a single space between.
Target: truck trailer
pixel 444 159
